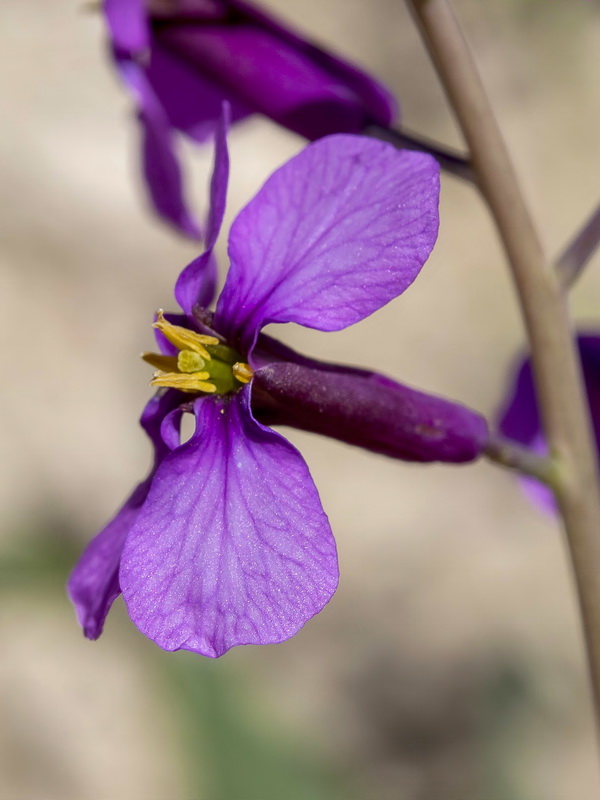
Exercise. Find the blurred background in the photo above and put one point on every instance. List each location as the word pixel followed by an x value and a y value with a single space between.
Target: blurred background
pixel 449 664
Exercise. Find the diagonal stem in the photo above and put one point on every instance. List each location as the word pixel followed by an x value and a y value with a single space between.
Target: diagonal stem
pixel 452 161
pixel 580 249
pixel 556 365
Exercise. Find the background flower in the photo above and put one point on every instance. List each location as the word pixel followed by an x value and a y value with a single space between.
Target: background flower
pixel 520 420
pixel 181 59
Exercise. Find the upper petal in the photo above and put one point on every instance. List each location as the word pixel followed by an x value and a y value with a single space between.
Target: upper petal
pixel 232 545
pixel 196 284
pixel 333 235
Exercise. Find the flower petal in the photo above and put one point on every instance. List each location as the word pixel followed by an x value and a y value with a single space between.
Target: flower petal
pixel 279 75
pixel 161 168
pixel 333 235
pixel 94 582
pixel 191 101
pixel 127 24
pixel 196 284
pixel 519 418
pixel 232 545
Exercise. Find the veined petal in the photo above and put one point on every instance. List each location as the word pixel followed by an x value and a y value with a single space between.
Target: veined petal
pixel 196 284
pixel 333 235
pixel 232 545
pixel 128 25
pixel 94 582
pixel 161 168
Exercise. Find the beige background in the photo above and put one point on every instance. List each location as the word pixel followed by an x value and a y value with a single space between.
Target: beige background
pixel 450 580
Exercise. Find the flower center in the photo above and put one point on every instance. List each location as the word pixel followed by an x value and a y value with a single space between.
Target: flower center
pixel 203 364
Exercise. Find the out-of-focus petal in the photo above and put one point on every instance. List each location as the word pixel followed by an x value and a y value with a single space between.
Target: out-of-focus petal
pixel 519 417
pixel 161 168
pixel 191 100
pixel 333 235
pixel 196 284
pixel 232 545
pixel 368 410
pixel 282 77
pixel 94 582
pixel 127 24
pixel 378 102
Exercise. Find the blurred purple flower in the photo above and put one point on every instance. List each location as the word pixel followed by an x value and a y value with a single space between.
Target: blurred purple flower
pixel 519 418
pixel 181 58
pixel 226 542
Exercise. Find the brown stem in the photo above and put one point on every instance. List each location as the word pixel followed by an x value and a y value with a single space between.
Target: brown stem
pixel 556 365
pixel 580 249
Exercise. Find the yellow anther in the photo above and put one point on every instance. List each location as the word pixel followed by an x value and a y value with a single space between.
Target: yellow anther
pixel 188 361
pixel 183 338
pixel 242 372
pixel 195 382
pixel 163 363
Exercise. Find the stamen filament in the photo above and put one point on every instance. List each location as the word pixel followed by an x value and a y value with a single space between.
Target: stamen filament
pixel 195 382
pixel 184 339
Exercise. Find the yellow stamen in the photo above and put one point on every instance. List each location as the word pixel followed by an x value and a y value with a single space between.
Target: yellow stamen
pixel 163 363
pixel 188 361
pixel 195 382
pixel 242 372
pixel 183 338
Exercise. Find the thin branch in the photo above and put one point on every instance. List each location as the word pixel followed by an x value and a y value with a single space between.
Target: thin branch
pixel 580 249
pixel 515 456
pixel 451 161
pixel 556 365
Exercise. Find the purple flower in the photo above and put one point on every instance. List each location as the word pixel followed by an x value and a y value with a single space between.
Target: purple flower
pixel 226 543
pixel 519 418
pixel 181 58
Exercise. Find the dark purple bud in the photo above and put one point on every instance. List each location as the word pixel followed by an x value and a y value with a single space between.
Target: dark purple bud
pixel 368 410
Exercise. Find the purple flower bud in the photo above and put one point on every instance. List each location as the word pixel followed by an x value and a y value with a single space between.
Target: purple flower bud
pixel 368 410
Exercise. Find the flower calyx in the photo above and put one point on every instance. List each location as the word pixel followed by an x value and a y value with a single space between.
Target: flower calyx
pixel 203 364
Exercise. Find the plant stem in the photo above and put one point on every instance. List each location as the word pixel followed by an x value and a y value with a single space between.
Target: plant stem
pixel 556 365
pixel 580 249
pixel 449 160
pixel 515 456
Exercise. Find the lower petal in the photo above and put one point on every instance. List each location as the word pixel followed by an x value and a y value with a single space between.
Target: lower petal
pixel 232 545
pixel 94 583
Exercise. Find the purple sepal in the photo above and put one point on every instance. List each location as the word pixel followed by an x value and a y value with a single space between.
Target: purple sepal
pixel 232 545
pixel 367 410
pixel 519 418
